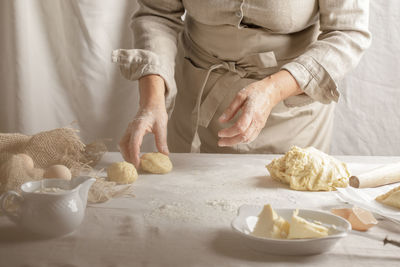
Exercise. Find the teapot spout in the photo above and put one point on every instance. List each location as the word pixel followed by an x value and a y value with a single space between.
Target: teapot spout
pixel 84 183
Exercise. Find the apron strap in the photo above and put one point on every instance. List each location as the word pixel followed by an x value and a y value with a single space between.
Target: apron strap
pixel 196 143
pixel 203 113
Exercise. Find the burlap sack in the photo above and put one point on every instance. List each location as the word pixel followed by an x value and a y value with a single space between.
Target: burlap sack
pixel 58 146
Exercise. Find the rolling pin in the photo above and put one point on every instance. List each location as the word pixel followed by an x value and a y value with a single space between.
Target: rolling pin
pixel 386 174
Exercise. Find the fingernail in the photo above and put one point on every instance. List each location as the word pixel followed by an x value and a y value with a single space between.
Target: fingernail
pixel 223 117
pixel 164 150
pixel 134 163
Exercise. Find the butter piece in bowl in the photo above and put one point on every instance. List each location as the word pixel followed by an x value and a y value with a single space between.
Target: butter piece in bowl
pixel 249 215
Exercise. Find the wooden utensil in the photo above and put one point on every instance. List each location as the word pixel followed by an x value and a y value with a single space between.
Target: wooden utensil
pixel 386 174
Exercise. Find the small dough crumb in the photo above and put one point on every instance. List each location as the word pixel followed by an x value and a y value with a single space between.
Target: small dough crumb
pixel 156 163
pixel 122 173
pixel 391 198
pixel 309 169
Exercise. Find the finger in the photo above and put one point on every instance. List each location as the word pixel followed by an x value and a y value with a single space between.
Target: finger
pixel 160 135
pixel 244 138
pixel 135 142
pixel 235 105
pixel 124 146
pixel 241 125
pixel 254 131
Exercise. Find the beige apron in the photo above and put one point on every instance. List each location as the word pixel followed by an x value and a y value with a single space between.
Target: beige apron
pixel 207 83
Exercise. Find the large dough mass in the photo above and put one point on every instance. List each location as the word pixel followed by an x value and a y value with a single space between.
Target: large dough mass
pixel 309 169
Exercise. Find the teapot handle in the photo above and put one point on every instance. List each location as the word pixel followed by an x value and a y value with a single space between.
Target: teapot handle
pixel 12 215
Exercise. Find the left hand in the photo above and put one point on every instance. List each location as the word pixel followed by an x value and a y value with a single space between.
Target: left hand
pixel 256 102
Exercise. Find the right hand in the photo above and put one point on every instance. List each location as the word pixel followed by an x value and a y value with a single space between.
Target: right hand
pixel 152 117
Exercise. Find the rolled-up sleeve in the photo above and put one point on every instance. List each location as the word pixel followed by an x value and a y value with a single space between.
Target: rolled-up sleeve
pixel 343 39
pixel 155 27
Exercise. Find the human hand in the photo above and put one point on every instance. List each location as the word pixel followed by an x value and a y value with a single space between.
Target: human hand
pixel 152 117
pixel 256 102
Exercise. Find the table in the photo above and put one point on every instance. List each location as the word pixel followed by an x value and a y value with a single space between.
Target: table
pixel 183 219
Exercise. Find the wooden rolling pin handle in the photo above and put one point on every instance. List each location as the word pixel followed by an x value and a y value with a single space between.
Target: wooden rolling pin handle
pixel 387 174
pixel 354 181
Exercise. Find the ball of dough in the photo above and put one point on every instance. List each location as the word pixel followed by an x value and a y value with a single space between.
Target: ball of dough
pixel 28 161
pixel 57 171
pixel 156 163
pixel 122 173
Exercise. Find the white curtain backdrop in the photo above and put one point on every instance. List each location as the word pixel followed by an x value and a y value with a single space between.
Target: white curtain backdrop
pixel 55 69
pixel 368 114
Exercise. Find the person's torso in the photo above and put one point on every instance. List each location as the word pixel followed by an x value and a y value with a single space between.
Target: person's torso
pixel 233 29
pixel 275 16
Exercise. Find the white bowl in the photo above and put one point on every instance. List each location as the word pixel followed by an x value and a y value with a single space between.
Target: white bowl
pixel 247 218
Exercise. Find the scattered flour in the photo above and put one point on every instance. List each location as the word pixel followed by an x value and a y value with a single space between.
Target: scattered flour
pixel 216 201
pixel 174 211
pixel 222 204
pixel 214 210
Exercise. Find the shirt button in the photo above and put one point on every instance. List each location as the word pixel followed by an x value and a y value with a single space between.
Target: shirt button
pixel 238 14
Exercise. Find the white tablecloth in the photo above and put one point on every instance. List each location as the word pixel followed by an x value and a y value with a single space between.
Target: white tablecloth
pixel 183 219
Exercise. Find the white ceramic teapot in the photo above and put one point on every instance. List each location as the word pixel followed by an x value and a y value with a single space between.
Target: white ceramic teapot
pixel 51 207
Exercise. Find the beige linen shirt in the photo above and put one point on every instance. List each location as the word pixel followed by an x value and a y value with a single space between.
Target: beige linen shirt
pixel 317 41
pixel 343 36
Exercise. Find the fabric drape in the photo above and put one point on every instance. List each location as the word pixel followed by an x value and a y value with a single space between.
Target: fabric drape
pixel 55 68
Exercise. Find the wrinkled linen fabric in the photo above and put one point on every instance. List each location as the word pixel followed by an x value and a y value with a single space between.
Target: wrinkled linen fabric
pixel 56 69
pixel 318 65
pixel 316 41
